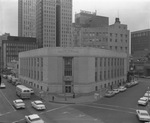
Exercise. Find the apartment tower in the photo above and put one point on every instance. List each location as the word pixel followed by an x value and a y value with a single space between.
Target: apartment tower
pixel 53 23
pixel 27 18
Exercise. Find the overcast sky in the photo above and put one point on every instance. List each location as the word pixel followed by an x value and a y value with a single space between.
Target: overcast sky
pixel 134 13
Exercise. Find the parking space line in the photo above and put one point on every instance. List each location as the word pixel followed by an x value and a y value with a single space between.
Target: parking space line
pixel 107 108
pixel 7 100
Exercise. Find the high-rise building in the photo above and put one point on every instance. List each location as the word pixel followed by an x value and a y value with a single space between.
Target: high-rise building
pixel 53 23
pixel 11 47
pixel 140 40
pixel 113 37
pixel 90 19
pixel 118 37
pixel 27 18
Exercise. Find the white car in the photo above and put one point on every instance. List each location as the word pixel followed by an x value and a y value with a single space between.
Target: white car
pixel 116 91
pixel 31 90
pixel 122 88
pixel 147 94
pixel 38 104
pixel 143 115
pixel 143 101
pixel 18 103
pixel 2 85
pixel 34 118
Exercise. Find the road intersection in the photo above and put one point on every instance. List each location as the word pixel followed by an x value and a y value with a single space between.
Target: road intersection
pixel 118 109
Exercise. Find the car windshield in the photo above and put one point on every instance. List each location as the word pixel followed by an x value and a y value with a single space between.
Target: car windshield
pixel 144 114
pixel 19 101
pixel 39 103
pixel 34 119
pixel 143 99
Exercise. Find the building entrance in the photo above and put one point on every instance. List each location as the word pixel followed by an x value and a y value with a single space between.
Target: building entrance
pixel 68 87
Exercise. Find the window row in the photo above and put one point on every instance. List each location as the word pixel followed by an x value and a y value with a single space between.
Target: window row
pixel 110 74
pixel 109 62
pixel 36 75
pixel 29 62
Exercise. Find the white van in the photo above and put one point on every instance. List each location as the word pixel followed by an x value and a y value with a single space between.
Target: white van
pixel 23 92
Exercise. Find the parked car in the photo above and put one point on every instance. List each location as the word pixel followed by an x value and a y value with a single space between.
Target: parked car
pixel 109 94
pixel 147 94
pixel 143 115
pixel 116 91
pixel 34 118
pixel 122 88
pixel 2 85
pixel 143 101
pixel 14 80
pixel 17 83
pixel 31 90
pixel 136 82
pixel 38 105
pixel 18 104
pixel 9 78
pixel 128 85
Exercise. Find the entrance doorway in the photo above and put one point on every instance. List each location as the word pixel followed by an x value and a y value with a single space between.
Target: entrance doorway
pixel 68 87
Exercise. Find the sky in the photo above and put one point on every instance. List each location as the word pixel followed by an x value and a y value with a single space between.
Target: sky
pixel 134 13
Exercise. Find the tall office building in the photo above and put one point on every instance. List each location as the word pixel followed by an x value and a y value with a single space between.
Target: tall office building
pixel 53 23
pixel 90 19
pixel 27 18
pixel 140 41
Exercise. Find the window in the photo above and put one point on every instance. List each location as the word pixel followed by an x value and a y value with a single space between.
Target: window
pixel 108 61
pixel 95 76
pixel 67 66
pixel 95 62
pixel 104 61
pixel 100 76
pixel 104 75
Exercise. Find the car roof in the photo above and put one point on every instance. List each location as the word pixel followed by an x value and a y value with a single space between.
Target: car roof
pixel 143 97
pixel 142 111
pixel 19 100
pixel 33 116
pixel 38 101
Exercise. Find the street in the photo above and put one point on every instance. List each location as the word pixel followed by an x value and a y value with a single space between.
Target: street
pixel 118 109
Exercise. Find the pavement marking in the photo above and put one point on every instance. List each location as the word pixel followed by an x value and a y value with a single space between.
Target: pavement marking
pixel 107 108
pixel 6 113
pixel 43 112
pixel 81 115
pixel 114 106
pixel 54 109
pixel 18 120
pixel 7 101
pixel 65 112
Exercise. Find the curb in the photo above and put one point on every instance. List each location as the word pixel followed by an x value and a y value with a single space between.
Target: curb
pixel 60 102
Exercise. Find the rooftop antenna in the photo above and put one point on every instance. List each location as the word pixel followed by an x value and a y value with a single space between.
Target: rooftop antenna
pixel 118 13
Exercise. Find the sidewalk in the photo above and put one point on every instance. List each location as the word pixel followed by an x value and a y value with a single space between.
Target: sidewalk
pixel 86 98
pixel 62 99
